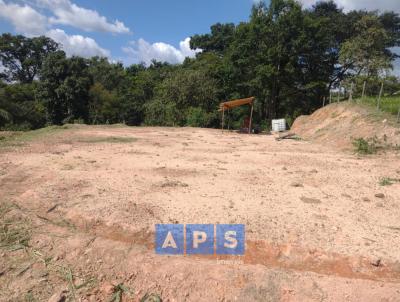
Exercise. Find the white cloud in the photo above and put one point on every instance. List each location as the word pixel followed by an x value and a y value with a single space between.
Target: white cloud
pixel 30 22
pixel 68 13
pixel 143 51
pixel 347 5
pixel 77 44
pixel 24 18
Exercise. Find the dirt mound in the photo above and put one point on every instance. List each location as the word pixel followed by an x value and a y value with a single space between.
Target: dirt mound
pixel 339 124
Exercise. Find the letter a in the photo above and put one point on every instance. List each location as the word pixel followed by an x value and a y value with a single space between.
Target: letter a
pixel 169 241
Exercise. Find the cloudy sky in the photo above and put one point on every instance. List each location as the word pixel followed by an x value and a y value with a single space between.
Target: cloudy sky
pixel 132 31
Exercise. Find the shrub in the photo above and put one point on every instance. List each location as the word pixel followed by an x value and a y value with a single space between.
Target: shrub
pixel 197 117
pixel 159 113
pixel 365 146
pixel 388 181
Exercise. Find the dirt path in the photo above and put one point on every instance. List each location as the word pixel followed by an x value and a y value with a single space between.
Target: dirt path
pixel 319 225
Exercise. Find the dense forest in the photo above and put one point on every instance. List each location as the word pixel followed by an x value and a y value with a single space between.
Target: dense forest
pixel 288 57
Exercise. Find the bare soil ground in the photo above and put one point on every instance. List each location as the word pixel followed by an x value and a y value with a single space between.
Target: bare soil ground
pixel 339 123
pixel 78 207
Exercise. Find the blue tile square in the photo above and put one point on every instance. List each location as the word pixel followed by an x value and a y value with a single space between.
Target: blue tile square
pixel 230 239
pixel 169 239
pixel 200 239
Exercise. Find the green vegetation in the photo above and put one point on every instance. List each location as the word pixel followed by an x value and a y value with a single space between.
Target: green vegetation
pixel 365 146
pixel 108 139
pixel 151 298
pixel 390 104
pixel 388 181
pixel 118 291
pixel 14 233
pixel 288 57
pixel 20 138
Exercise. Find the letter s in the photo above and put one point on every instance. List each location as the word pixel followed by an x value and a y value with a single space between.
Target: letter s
pixel 230 236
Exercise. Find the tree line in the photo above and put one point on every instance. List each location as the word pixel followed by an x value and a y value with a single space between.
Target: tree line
pixel 287 56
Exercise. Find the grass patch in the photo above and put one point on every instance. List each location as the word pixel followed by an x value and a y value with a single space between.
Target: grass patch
pixel 151 298
pixel 29 297
pixel 19 138
pixel 390 104
pixel 118 291
pixel 14 233
pixel 108 139
pixel 387 181
pixel 365 146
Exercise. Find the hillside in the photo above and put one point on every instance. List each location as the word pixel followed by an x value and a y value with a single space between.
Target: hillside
pixel 339 124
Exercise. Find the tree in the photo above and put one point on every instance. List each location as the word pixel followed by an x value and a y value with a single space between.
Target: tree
pixel 265 54
pixel 366 52
pixel 22 57
pixel 188 88
pixel 65 84
pixel 109 75
pixel 139 88
pixel 19 107
pixel 104 106
pixel 220 38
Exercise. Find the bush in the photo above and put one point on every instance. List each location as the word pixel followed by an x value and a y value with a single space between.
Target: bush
pixel 365 146
pixel 159 113
pixel 197 117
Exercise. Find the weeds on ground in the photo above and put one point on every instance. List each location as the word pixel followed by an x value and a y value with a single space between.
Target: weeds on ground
pixel 19 138
pixel 387 181
pixel 372 145
pixel 118 291
pixel 390 104
pixel 14 234
pixel 151 298
pixel 64 272
pixel 29 297
pixel 108 139
pixel 365 146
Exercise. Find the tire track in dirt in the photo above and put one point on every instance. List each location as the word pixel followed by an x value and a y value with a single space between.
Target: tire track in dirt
pixel 284 256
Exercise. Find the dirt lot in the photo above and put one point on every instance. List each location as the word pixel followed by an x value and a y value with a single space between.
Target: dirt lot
pixel 83 201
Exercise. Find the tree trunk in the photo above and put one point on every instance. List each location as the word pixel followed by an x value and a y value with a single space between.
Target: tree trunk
pixel 363 91
pixel 379 97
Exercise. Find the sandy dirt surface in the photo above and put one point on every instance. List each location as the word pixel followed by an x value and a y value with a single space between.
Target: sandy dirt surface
pixel 320 226
pixel 338 124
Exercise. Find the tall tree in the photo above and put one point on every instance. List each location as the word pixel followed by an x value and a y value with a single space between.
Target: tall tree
pixel 220 38
pixel 366 52
pixel 65 87
pixel 22 57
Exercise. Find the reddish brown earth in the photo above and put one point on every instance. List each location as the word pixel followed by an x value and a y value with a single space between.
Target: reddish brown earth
pixel 339 123
pixel 90 196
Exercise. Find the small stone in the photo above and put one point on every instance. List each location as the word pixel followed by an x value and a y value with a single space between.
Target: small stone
pixel 380 195
pixel 380 205
pixel 296 184
pixel 377 263
pixel 284 168
pixel 366 199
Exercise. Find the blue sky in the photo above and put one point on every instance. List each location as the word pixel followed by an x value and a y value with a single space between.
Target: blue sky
pixel 168 23
pixel 134 31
